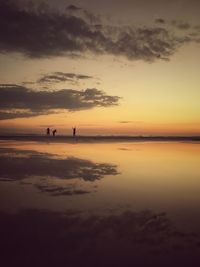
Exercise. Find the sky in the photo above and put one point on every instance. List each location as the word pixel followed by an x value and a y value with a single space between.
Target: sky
pixel 107 67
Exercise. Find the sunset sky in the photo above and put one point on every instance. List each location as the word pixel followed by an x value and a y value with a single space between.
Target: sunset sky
pixel 128 67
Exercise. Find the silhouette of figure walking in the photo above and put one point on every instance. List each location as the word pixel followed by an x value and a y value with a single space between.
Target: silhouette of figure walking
pixel 54 132
pixel 74 131
pixel 48 131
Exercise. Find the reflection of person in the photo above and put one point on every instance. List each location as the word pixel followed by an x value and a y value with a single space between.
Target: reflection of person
pixel 54 132
pixel 48 131
pixel 74 131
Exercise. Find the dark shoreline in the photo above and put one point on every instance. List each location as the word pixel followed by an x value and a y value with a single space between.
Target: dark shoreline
pixel 98 139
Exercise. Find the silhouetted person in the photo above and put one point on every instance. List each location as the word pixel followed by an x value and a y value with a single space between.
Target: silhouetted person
pixel 54 132
pixel 48 131
pixel 74 131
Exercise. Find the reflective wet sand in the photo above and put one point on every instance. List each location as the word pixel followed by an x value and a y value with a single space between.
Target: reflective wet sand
pixel 118 187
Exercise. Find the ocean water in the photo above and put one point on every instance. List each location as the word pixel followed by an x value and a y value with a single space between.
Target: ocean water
pixel 140 184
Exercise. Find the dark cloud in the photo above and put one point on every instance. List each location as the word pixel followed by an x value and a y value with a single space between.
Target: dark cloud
pixel 18 101
pixel 45 33
pixel 57 77
pixel 16 113
pixel 143 238
pixel 18 165
pixel 39 34
pixel 146 43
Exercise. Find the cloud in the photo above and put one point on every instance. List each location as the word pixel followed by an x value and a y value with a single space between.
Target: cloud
pixel 44 33
pixel 57 77
pixel 18 101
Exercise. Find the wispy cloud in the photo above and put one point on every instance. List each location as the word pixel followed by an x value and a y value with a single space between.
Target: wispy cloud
pixel 57 77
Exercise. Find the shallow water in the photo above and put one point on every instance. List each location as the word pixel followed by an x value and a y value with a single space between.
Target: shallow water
pixel 99 204
pixel 104 178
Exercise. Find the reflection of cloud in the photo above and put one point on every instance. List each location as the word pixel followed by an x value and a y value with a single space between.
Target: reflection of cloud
pixel 17 165
pixel 18 101
pixel 55 190
pixel 44 33
pixel 129 239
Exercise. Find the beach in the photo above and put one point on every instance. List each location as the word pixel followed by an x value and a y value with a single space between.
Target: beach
pixel 90 190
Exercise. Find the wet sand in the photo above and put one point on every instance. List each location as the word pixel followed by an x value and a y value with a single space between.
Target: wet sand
pixel 115 202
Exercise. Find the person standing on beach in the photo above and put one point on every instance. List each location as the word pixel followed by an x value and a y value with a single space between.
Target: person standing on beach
pixel 74 131
pixel 54 132
pixel 48 131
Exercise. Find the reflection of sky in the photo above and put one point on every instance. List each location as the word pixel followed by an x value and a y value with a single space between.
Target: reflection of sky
pixel 156 176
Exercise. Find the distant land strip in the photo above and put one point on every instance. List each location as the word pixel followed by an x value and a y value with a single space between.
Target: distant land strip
pixel 98 138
